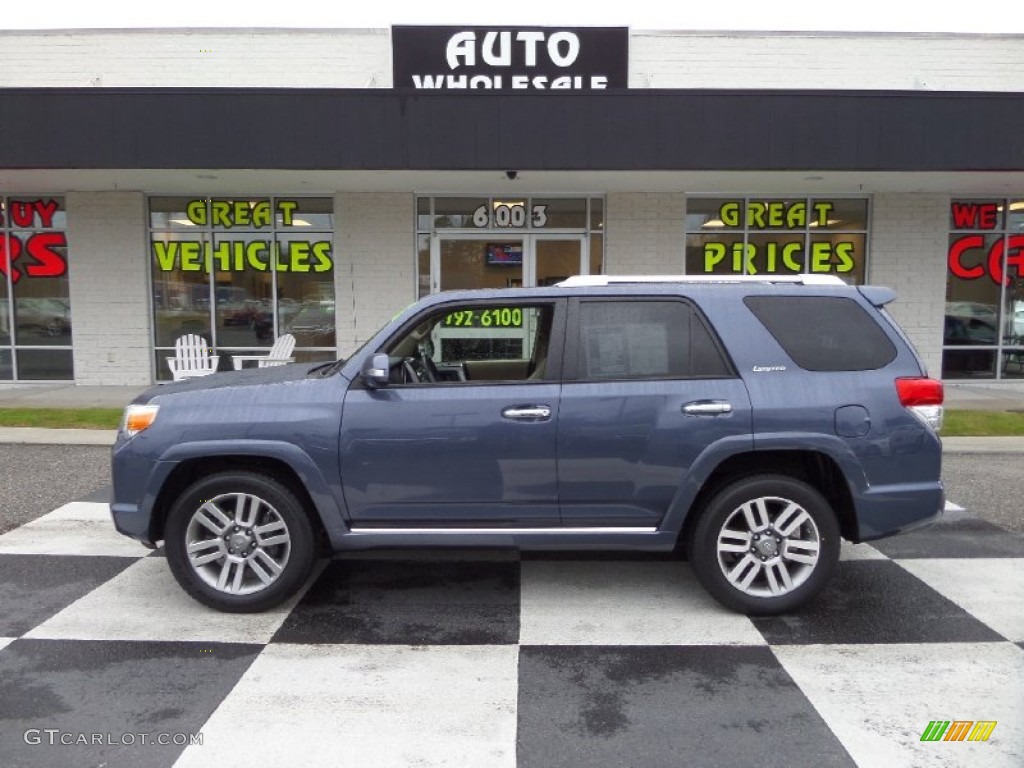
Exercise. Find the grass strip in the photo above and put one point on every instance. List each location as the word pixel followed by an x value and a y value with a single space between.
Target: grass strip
pixel 958 423
pixel 61 418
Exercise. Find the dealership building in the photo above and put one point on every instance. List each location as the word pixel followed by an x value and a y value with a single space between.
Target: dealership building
pixel 241 184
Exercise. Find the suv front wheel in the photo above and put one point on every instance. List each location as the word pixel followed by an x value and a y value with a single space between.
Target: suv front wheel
pixel 765 544
pixel 239 542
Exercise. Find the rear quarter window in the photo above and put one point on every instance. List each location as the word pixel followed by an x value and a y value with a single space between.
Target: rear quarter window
pixel 824 333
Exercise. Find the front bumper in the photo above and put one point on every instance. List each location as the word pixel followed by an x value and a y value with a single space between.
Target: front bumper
pixel 131 521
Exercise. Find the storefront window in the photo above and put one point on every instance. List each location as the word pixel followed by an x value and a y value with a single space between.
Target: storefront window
pixel 35 308
pixel 564 213
pixel 983 330
pixel 777 236
pixel 597 254
pixel 242 271
pixel 505 241
pixel 509 212
pixel 422 266
pixel 457 212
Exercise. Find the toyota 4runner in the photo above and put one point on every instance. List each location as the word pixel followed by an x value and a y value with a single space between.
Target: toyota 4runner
pixel 751 422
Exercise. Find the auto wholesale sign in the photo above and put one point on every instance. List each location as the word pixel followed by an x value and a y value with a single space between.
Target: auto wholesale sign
pixel 510 59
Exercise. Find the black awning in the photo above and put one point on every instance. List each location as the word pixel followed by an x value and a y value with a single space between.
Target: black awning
pixel 378 129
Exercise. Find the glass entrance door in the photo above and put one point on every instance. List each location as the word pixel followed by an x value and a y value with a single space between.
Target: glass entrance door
pixel 557 257
pixel 477 263
pixel 461 262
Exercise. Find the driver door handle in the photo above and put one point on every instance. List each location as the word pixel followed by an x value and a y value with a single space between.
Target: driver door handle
pixel 527 412
pixel 707 407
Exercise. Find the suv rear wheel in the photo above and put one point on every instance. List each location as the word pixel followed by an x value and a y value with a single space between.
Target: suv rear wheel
pixel 239 542
pixel 765 544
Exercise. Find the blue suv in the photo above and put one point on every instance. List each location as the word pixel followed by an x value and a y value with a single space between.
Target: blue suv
pixel 750 422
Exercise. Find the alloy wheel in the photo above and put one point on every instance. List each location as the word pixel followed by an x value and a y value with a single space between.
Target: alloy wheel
pixel 768 546
pixel 237 543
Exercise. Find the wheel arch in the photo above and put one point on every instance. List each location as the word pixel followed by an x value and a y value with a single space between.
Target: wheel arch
pixel 190 463
pixel 817 468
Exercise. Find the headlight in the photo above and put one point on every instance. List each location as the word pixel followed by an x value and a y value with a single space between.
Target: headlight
pixel 137 418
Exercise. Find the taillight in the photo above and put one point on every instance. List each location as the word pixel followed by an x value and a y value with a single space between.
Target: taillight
pixel 923 397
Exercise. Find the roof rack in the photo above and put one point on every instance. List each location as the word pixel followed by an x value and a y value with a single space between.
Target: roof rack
pixel 577 281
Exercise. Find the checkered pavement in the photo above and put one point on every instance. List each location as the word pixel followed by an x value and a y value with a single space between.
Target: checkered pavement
pixel 494 659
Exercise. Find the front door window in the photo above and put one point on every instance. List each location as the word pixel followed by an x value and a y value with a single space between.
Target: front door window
pixel 475 343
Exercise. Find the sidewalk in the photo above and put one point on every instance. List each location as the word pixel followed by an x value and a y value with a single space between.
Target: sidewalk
pixel 973 396
pixel 67 395
pixel 993 397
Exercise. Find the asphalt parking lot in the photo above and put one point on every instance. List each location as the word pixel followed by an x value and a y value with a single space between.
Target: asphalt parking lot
pixel 490 659
pixel 39 478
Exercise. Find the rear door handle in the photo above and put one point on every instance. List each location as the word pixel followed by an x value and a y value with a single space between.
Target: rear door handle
pixel 527 412
pixel 707 408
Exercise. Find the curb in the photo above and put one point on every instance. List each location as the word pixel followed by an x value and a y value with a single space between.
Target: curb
pixel 983 445
pixel 41 436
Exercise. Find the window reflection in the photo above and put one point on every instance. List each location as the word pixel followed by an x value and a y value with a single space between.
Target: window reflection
pixel 481 264
pixel 35 305
pixel 241 272
pixel 777 236
pixel 983 324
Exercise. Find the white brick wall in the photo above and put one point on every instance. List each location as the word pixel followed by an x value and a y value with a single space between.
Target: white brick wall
pixel 336 58
pixel 109 287
pixel 374 266
pixel 940 62
pixel 645 233
pixel 908 253
pixel 361 58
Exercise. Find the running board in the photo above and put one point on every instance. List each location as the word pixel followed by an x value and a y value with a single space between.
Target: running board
pixel 647 539
pixel 496 531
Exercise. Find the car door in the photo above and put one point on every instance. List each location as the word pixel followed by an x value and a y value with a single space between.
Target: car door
pixel 647 388
pixel 464 433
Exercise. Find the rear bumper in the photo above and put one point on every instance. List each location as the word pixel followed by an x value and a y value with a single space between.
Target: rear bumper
pixel 888 510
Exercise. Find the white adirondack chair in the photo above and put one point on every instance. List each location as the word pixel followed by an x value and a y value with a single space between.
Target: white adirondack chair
pixel 279 354
pixel 192 358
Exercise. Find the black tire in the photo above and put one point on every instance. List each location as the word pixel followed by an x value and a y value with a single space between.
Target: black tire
pixel 275 532
pixel 730 535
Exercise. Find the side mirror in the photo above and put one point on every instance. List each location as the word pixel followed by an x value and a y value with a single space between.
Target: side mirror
pixel 376 372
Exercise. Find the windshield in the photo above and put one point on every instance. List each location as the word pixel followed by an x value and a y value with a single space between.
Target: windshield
pixel 327 369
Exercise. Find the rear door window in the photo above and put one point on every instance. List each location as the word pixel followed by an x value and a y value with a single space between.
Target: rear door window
pixel 641 339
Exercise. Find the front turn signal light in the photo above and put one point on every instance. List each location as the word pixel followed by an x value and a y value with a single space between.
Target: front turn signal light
pixel 138 418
